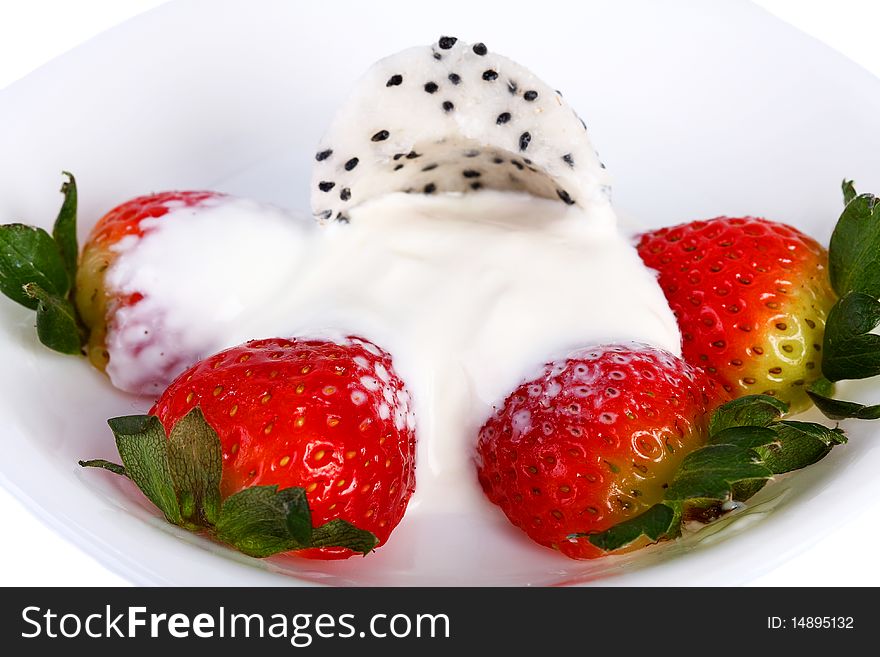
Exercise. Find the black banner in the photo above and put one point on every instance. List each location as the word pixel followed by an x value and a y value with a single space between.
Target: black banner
pixel 436 621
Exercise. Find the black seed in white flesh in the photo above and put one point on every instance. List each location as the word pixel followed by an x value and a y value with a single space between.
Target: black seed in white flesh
pixel 565 197
pixel 446 42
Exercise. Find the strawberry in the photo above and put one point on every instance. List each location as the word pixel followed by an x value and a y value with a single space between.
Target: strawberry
pixel 592 441
pixel 751 297
pixel 74 306
pixel 97 305
pixel 331 420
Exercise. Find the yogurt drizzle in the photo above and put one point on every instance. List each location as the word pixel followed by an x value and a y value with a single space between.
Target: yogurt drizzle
pixel 470 295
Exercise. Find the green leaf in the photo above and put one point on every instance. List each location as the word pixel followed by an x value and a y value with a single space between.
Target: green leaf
pixel 262 520
pixel 181 475
pixel 748 445
pixel 854 251
pixel 822 386
pixel 196 462
pixel 751 410
pixel 746 437
pixel 836 409
pixel 255 521
pixel 143 448
pixel 710 472
pixel 849 191
pixel 743 490
pixel 115 468
pixel 39 271
pixel 30 255
pixel 341 533
pixel 655 523
pixel 64 230
pixel 850 350
pixel 799 444
pixel 299 516
pixel 57 327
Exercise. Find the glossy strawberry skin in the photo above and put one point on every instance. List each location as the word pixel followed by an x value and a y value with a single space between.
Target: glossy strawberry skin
pixel 751 297
pixel 593 441
pixel 96 305
pixel 331 418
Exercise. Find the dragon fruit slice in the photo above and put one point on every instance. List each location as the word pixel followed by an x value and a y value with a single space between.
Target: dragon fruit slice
pixel 453 117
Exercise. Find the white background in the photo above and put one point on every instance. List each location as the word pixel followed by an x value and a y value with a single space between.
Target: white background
pixel 34 31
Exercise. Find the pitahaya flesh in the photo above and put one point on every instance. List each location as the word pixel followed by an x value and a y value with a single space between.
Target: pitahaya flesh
pixel 454 117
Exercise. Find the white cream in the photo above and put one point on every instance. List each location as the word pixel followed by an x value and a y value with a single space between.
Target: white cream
pixel 470 295
pixel 204 273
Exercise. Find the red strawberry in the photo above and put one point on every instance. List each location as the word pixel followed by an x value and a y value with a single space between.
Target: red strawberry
pixel 751 297
pixel 592 441
pixel 331 418
pixel 96 306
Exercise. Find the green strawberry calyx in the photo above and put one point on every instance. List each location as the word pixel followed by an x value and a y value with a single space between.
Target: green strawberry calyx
pixel 849 349
pixel 180 474
pixel 38 270
pixel 749 443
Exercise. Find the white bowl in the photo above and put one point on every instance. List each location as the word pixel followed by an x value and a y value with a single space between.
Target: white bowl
pixel 698 109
